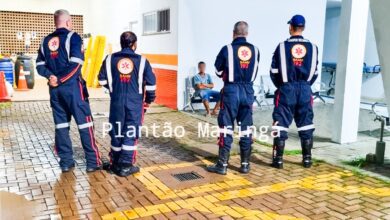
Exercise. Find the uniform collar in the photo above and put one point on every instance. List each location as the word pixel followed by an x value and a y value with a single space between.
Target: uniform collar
pixel 239 40
pixel 127 50
pixel 62 30
pixel 296 37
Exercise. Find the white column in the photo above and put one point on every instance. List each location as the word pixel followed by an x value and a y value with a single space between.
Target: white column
pixel 353 26
pixel 380 18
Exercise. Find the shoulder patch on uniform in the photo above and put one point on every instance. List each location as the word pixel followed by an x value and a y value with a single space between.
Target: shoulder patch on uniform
pixel 54 44
pixel 244 53
pixel 125 66
pixel 298 51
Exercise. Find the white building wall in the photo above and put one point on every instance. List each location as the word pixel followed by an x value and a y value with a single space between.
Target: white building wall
pixel 159 43
pixel 205 26
pixel 110 20
pixel 372 87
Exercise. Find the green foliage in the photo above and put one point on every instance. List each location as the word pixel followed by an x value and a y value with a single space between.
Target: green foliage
pixel 4 105
pixel 292 152
pixel 357 162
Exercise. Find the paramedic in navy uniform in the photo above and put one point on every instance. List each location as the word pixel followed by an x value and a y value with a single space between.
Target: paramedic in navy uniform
pixel 237 64
pixel 293 71
pixel 60 58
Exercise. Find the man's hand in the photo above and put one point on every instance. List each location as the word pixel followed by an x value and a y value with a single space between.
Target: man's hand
pixel 210 86
pixel 53 81
pixel 201 86
pixel 146 106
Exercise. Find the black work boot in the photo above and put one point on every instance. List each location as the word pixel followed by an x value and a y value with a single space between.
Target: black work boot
pixel 68 168
pixel 245 158
pixel 127 170
pixel 220 166
pixel 306 145
pixel 113 166
pixel 277 155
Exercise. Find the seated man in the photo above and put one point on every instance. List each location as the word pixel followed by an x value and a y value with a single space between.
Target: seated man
pixel 203 85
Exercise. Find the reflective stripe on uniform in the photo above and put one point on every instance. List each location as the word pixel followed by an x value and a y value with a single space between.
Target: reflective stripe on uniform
pixel 255 67
pixel 313 62
pixel 85 125
pixel 150 88
pixel 283 62
pixel 245 133
pixel 109 72
pixel 280 128
pixel 41 63
pixel 102 82
pixel 129 148
pixel 231 62
pixel 67 43
pixel 305 128
pixel 274 70
pixel 297 40
pixel 42 50
pixel 225 131
pixel 116 148
pixel 62 125
pixel 76 60
pixel 141 74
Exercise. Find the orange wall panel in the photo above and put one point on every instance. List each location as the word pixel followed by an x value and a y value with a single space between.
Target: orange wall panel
pixel 165 59
pixel 166 90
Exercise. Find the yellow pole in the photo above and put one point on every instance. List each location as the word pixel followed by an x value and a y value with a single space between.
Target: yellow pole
pixel 93 60
pixel 87 60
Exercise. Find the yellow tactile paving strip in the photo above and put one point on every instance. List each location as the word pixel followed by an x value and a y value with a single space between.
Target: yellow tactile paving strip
pixel 30 169
pixel 210 203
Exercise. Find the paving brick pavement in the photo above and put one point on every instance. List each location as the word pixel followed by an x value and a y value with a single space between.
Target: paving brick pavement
pixel 28 167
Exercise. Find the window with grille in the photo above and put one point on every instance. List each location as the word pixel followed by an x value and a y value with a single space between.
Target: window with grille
pixel 157 22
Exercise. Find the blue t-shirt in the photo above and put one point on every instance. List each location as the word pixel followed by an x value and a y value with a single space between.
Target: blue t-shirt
pixel 204 79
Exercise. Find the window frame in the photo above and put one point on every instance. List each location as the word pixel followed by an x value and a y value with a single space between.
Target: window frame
pixel 156 32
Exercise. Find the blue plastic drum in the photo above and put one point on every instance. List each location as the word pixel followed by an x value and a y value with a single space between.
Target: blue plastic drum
pixel 8 68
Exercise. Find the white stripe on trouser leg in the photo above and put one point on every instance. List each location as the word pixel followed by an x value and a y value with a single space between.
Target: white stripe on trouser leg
pixel 128 147
pixel 141 74
pixel 283 64
pixel 313 62
pixel 85 125
pixel 62 125
pixel 246 133
pixel 150 88
pixel 109 72
pixel 225 131
pixel 231 62
pixel 116 148
pixel 306 127
pixel 255 67
pixel 279 128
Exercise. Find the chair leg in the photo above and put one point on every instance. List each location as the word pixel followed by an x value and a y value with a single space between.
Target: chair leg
pixel 192 108
pixel 258 103
pixel 186 106
pixel 322 99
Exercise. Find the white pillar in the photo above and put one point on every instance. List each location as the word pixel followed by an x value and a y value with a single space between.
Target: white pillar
pixel 353 26
pixel 380 18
